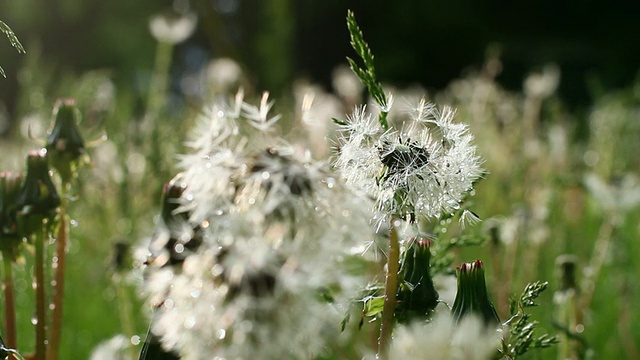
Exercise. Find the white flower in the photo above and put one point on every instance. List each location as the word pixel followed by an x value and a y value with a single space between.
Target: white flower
pixel 617 197
pixel 277 234
pixel 444 340
pixel 223 75
pixel 172 28
pixel 426 169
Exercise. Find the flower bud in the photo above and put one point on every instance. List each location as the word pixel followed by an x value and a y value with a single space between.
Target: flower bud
pixel 472 296
pixel 416 295
pixel 38 197
pixel 65 144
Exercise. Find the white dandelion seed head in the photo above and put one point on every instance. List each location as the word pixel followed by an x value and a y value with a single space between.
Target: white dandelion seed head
pixel 277 232
pixel 443 339
pixel 425 169
pixel 172 28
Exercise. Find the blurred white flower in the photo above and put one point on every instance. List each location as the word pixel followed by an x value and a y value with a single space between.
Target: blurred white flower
pixel 544 83
pixel 423 170
pixel 280 238
pixel 171 27
pixel 347 84
pixel 617 197
pixel 444 340
pixel 224 75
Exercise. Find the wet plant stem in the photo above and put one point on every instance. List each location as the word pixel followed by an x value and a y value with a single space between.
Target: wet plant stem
pixel 41 345
pixel 390 289
pixel 58 287
pixel 11 340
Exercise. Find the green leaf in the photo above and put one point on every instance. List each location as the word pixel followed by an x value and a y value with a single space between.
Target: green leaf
pixel 373 306
pixel 13 39
pixel 367 74
pixel 339 122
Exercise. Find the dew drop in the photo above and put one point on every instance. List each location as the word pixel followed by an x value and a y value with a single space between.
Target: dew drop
pixel 135 340
pixel 190 322
pixel 168 304
pixel 73 223
pixel 34 320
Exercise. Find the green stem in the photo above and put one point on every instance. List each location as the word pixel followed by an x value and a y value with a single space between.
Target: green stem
pixel 390 289
pixel 58 288
pixel 41 344
pixel 9 305
pixel 160 79
pixel 126 314
pixel 600 251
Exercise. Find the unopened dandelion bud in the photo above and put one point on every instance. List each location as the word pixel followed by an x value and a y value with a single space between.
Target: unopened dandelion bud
pixel 417 296
pixel 566 265
pixel 9 189
pixel 65 144
pixel 472 296
pixel 38 198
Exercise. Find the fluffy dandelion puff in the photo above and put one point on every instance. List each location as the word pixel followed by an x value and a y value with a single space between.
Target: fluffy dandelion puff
pixel 424 169
pixel 443 339
pixel 278 258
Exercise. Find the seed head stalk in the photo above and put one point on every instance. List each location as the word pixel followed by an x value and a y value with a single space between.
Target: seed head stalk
pixel 58 287
pixel 9 306
pixel 41 315
pixel 390 289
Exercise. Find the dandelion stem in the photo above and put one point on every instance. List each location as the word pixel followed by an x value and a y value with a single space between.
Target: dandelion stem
pixel 9 305
pixel 58 288
pixel 41 345
pixel 390 289
pixel 126 314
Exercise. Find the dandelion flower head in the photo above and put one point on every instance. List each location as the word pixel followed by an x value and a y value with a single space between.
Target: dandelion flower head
pixel 425 168
pixel 276 263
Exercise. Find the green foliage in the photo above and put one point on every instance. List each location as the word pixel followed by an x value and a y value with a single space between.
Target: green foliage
pixel 367 74
pixel 521 329
pixel 13 39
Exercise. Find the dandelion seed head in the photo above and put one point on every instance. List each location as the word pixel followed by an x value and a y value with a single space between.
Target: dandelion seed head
pixel 443 339
pixel 277 238
pixel 425 169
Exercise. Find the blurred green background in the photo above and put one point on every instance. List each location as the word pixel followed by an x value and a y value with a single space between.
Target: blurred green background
pixel 540 139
